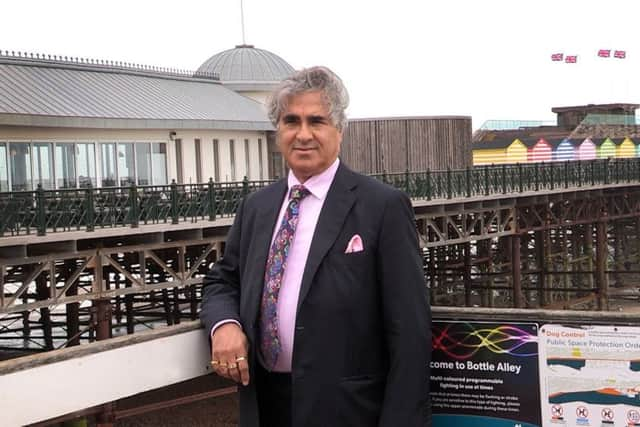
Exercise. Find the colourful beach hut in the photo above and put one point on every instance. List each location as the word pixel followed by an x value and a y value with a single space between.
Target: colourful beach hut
pixel 564 150
pixel 538 150
pixel 499 151
pixel 605 148
pixel 625 148
pixel 516 152
pixel 490 152
pixel 586 150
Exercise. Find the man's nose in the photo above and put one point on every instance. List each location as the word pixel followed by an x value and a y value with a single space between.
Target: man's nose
pixel 304 132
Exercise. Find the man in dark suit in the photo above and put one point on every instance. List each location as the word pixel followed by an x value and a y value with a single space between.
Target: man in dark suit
pixel 318 306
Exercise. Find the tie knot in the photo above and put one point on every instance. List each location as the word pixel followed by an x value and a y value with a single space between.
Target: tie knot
pixel 298 192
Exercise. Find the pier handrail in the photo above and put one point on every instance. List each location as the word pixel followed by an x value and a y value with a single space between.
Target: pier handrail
pixel 49 211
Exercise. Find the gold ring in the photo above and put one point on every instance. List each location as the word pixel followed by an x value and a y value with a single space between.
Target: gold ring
pixel 233 365
pixel 240 359
pixel 223 364
pixel 214 362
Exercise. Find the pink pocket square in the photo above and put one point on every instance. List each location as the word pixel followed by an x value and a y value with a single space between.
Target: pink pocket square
pixel 355 245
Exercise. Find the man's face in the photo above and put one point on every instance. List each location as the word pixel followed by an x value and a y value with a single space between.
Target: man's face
pixel 307 138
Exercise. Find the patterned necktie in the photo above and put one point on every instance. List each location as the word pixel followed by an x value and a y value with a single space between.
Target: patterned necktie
pixel 276 263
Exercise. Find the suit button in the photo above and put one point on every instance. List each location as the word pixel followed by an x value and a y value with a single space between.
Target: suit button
pixel 299 328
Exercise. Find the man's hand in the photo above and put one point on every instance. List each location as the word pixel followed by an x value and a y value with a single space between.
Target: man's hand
pixel 229 349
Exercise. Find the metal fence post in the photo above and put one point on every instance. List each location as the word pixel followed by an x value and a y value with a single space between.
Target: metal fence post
pixel 580 173
pixel 40 211
pixel 566 174
pixel 428 184
pixel 467 174
pixel 407 186
pixel 449 189
pixel 212 200
pixel 606 171
pixel 133 205
pixel 504 178
pixel 245 186
pixel 552 176
pixel 90 208
pixel 486 180
pixel 520 178
pixel 536 176
pixel 174 202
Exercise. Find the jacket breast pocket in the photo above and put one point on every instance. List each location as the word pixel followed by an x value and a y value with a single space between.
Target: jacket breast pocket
pixel 360 400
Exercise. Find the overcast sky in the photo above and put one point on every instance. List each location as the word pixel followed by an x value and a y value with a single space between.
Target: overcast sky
pixel 489 59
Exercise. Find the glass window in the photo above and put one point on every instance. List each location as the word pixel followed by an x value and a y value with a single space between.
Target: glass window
pixel 159 163
pixel 232 158
pixel 65 166
pixel 87 165
pixel 4 173
pixel 42 170
pixel 143 163
pixel 260 158
pixel 108 165
pixel 126 170
pixel 20 164
pixel 216 160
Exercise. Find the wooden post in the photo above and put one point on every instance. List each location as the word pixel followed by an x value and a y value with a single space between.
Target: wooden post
pixel 45 315
pixel 516 271
pixel 588 247
pixel 72 309
pixel 618 253
pixel 466 253
pixel 542 266
pixel 601 265
pixel 103 319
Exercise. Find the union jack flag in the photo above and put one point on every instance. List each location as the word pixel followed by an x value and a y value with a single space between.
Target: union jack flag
pixel 604 53
pixel 557 57
pixel 571 59
pixel 621 54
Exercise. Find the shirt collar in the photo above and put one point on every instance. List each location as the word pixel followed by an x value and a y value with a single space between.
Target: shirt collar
pixel 318 185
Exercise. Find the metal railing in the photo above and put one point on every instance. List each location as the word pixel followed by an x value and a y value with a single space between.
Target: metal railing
pixel 514 178
pixel 45 211
pixel 42 211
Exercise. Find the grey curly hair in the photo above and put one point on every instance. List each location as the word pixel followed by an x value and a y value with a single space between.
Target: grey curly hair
pixel 311 79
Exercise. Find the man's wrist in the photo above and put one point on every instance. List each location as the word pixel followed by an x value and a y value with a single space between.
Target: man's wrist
pixel 223 322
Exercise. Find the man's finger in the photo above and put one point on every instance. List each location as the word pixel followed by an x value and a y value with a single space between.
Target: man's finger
pixel 243 369
pixel 233 372
pixel 222 369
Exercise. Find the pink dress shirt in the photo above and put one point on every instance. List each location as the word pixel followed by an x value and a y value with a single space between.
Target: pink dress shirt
pixel 310 208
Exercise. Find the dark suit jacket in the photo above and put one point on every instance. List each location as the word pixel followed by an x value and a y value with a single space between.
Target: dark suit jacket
pixel 362 338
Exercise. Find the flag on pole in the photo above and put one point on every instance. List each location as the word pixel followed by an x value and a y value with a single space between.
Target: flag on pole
pixel 604 53
pixel 571 59
pixel 620 54
pixel 557 57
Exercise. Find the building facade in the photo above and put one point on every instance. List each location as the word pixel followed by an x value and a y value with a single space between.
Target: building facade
pixel 73 122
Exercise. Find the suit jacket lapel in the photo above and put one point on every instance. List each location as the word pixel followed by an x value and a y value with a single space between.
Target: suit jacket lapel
pixel 266 217
pixel 339 200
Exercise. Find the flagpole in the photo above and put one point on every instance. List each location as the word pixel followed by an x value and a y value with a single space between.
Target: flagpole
pixel 242 22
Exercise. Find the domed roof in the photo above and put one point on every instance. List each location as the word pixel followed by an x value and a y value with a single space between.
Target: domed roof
pixel 247 68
